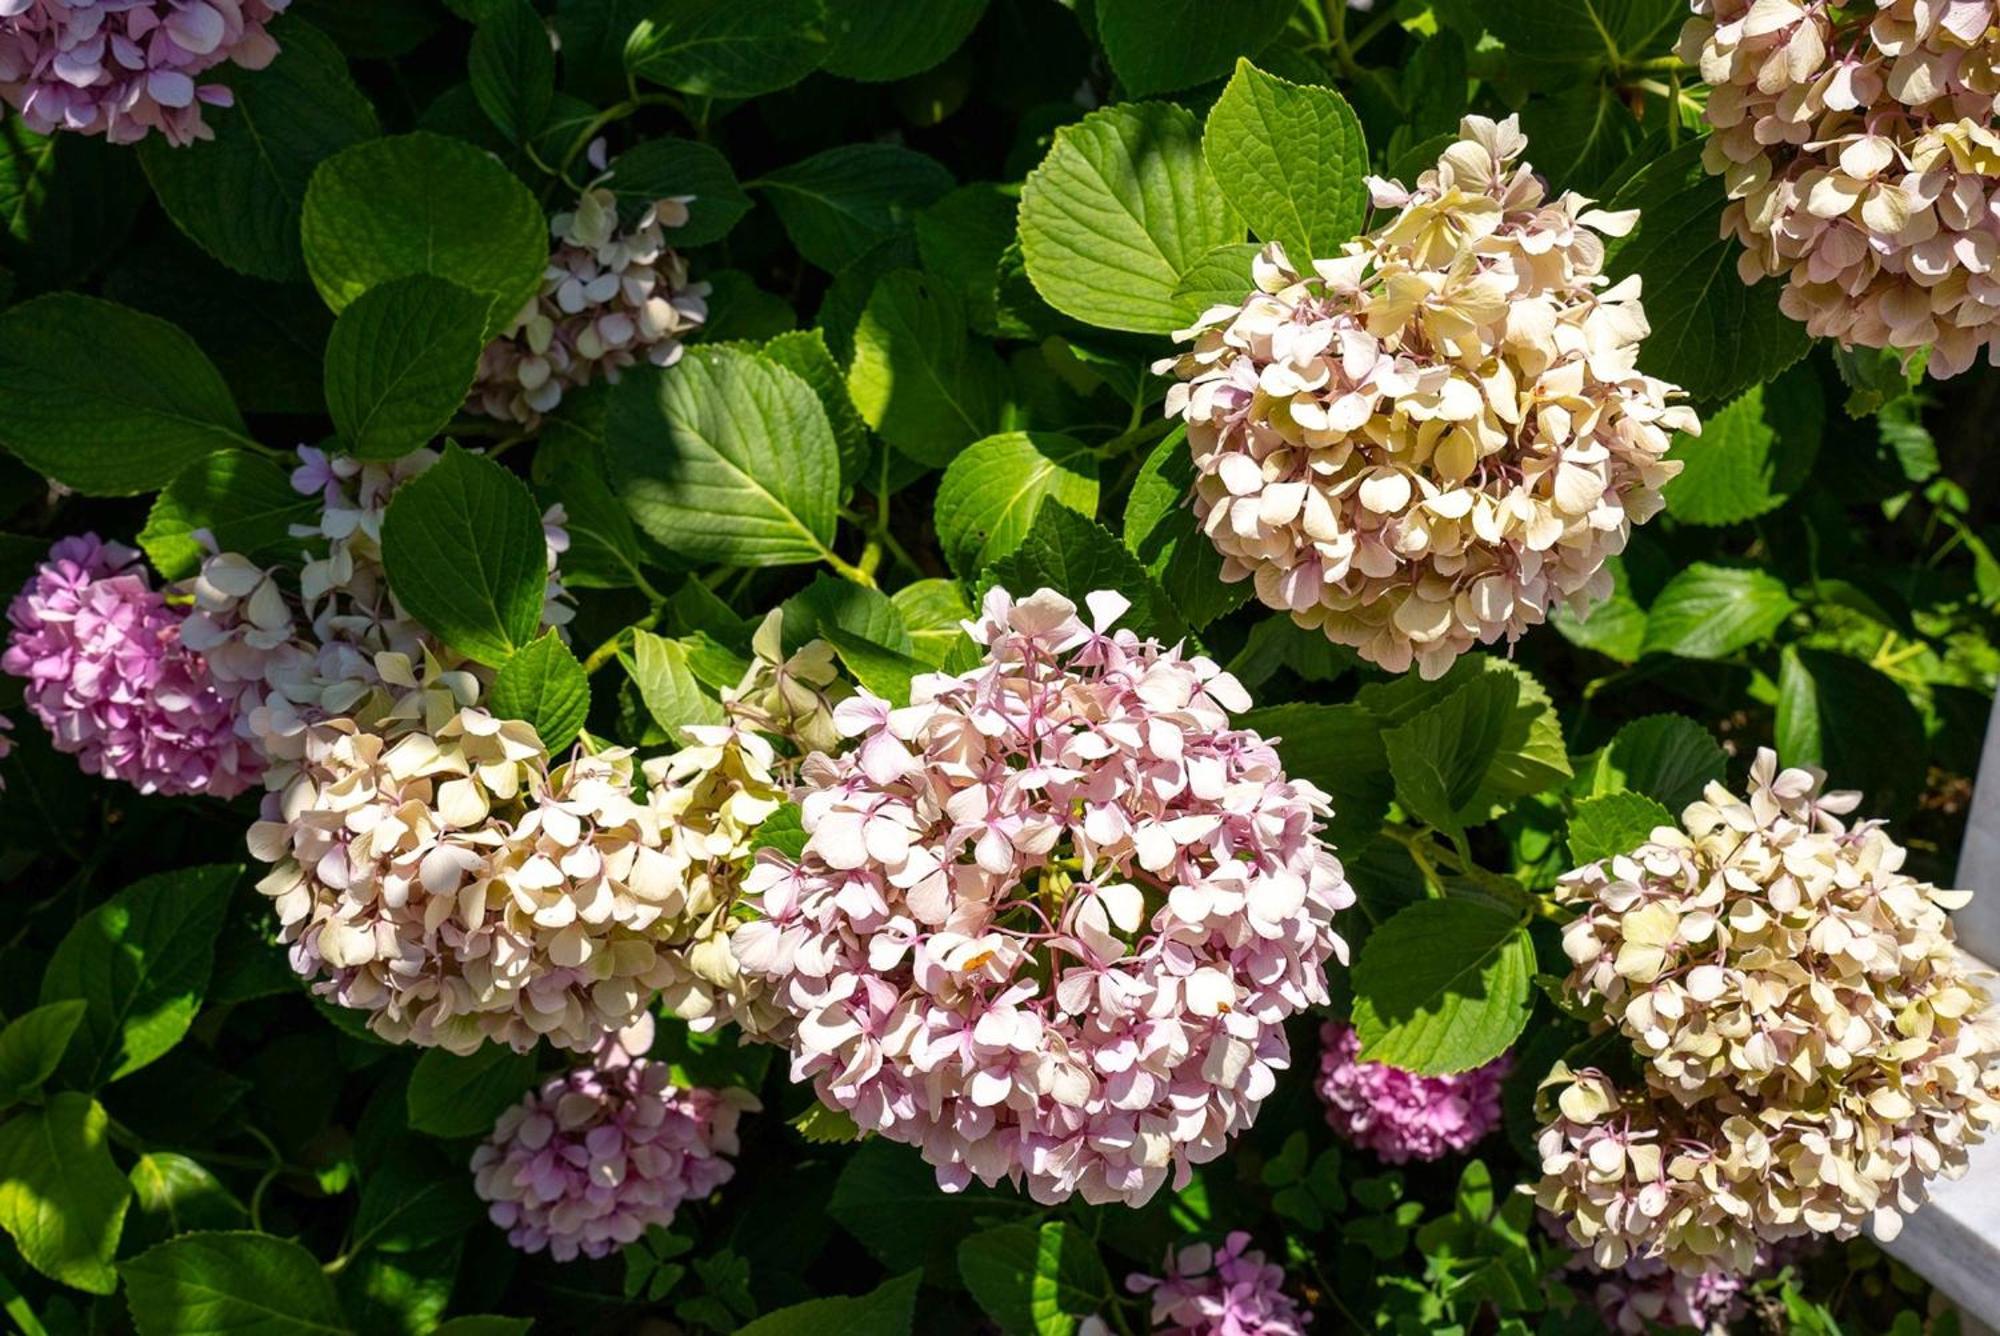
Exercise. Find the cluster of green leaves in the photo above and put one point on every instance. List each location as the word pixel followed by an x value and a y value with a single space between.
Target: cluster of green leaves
pixel 945 242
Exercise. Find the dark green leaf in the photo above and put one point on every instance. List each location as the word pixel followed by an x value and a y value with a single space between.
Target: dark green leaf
pixel 399 363
pixel 1855 723
pixel 1440 757
pixel 838 204
pixel 1157 46
pixel 1035 1279
pixel 725 48
pixel 230 1284
pixel 512 68
pixel 175 1194
pixel 829 602
pixel 989 496
pixel 1160 529
pixel 888 1198
pixel 878 40
pixel 1443 987
pixel 33 1044
pixel 544 684
pixel 666 168
pixel 888 1310
pixel 1752 455
pixel 960 239
pixel 881 670
pixel 1076 556
pixel 1613 823
pixel 917 379
pixel 1662 756
pixel 452 1096
pixel 244 501
pixel 1339 748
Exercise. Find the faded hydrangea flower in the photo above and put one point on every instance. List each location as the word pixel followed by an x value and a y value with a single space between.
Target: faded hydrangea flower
pixel 1810 1042
pixel 1051 916
pixel 1399 1115
pixel 1859 146
pixel 789 696
pixel 609 297
pixel 1226 1291
pixel 103 667
pixel 6 745
pixel 1432 438
pixel 586 1164
pixel 125 68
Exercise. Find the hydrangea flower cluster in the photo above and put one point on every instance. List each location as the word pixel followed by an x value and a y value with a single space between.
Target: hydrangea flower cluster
pixel 1860 151
pixel 1226 1291
pixel 1810 1042
pixel 100 652
pixel 1425 443
pixel 1051 916
pixel 125 68
pixel 1399 1115
pixel 586 1164
pixel 609 297
pixel 1645 1295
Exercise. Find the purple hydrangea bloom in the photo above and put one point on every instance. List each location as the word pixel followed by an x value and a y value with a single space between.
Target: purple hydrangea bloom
pixel 125 68
pixel 1226 1291
pixel 106 672
pixel 1399 1115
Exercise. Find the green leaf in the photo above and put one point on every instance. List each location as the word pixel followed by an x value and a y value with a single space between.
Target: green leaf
pixel 829 602
pixel 804 352
pixel 823 1126
pixel 424 204
pixel 230 1284
pixel 1855 723
pixel 544 684
pixel 839 204
pixel 1339 748
pixel 399 363
pixel 413 1199
pixel 244 501
pixel 1076 556
pixel 724 48
pixel 61 1197
pixel 1120 208
pixel 176 1194
pixel 592 37
pixel 1615 627
pixel 665 168
pixel 140 962
pixel 659 668
pixel 931 612
pixel 451 1096
pixel 888 1198
pixel 917 379
pixel 1710 612
pixel 1663 756
pixel 1157 46
pixel 882 670
pixel 1613 823
pixel 1291 159
pixel 1440 757
pixel 1035 1280
pixel 463 545
pixel 1443 987
pixel 1160 529
pixel 1616 32
pixel 33 1044
pixel 988 497
pixel 238 195
pixel 605 550
pixel 108 425
pixel 512 68
pixel 887 1310
pixel 725 457
pixel 1752 455
pixel 879 40
pixel 1219 278
pixel 960 240
pixel 1712 335
pixel 66 202
pixel 484 1324
pixel 1581 134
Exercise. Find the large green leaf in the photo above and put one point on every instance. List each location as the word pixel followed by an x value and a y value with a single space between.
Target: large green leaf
pixel 917 379
pixel 1339 748
pixel 988 498
pixel 106 400
pixel 1118 210
pixel 239 194
pixel 1443 986
pixel 725 457
pixel 1663 756
pixel 725 48
pixel 1035 1279
pixel 1751 455
pixel 1161 531
pixel 659 668
pixel 399 363
pixel 452 1096
pixel 1440 757
pixel 245 502
pixel 1530 755
pixel 1580 135
pixel 1292 159
pixel 960 240
pixel 512 68
pixel 887 1310
pixel 230 1284
pixel 1710 612
pixel 878 40
pixel 839 204
pixel 424 204
pixel 804 353
pixel 33 1044
pixel 61 1197
pixel 657 169
pixel 1613 32
pixel 1075 556
pixel 1157 46
pixel 140 962
pixel 1613 823
pixel 888 1198
pixel 544 684
pixel 1855 723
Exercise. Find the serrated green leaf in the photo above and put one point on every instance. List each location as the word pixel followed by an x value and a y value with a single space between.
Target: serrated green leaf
pixel 399 363
pixel 175 1194
pixel 1120 208
pixel 1443 987
pixel 1710 612
pixel 887 1198
pixel 1035 1279
pixel 1615 627
pixel 879 40
pixel 657 169
pixel 1160 529
pixel 1292 160
pixel 724 48
pixel 512 68
pixel 989 496
pixel 833 602
pixel 1581 134
pixel 242 1284
pixel 244 501
pixel 61 1198
pixel 1440 757
pixel 659 668
pixel 887 1310
pixel 1854 722
pixel 881 670
pixel 463 545
pixel 823 1126
pixel 1219 278
pixel 1751 455
pixel 1613 823
pixel 1612 32
pixel 1157 46
pixel 544 684
pixel 917 379
pixel 1076 556
pixel 804 353
pixel 105 425
pixel 1339 748
pixel 1663 756
pixel 931 612
pixel 33 1044
pixel 839 204
pixel 960 239
pixel 452 1096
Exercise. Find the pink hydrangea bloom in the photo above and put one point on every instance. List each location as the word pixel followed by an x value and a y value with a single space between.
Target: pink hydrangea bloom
pixel 106 672
pixel 125 68
pixel 1051 917
pixel 1231 1291
pixel 1644 1295
pixel 1399 1115
pixel 587 1163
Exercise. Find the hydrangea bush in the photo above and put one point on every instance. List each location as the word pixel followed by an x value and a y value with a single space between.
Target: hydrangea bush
pixel 1032 666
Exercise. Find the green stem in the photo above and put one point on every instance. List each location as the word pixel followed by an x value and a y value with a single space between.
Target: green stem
pixel 847 569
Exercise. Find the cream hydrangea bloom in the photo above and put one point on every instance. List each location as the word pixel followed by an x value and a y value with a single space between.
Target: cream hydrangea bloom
pixel 1812 1047
pixel 1859 146
pixel 1431 438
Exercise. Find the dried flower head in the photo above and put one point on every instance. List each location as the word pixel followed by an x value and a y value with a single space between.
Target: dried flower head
pixel 1810 1042
pixel 586 1164
pixel 104 669
pixel 1051 916
pixel 1226 1291
pixel 1399 1115
pixel 1859 146
pixel 609 297
pixel 1424 444
pixel 125 68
